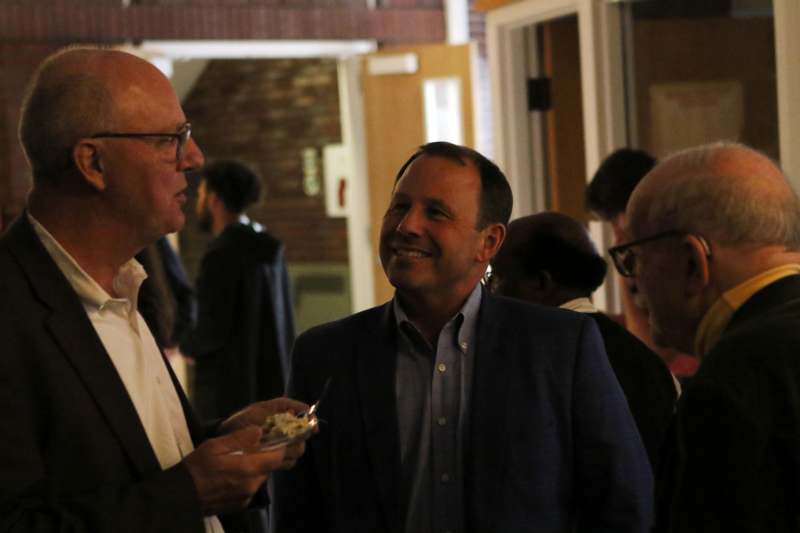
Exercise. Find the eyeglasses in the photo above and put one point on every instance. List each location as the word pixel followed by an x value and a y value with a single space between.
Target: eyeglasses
pixel 624 256
pixel 179 138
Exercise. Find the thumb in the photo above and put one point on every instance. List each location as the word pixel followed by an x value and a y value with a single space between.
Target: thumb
pixel 244 439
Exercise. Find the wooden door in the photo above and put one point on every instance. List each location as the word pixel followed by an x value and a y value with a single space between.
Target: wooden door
pixel 395 124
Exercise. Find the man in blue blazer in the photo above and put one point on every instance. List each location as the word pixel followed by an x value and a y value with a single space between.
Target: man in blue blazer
pixel 453 410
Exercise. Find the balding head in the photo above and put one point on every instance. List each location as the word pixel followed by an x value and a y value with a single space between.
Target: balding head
pixel 548 248
pixel 711 218
pixel 727 192
pixel 74 94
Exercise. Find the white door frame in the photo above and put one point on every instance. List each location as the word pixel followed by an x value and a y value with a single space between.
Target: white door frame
pixel 603 99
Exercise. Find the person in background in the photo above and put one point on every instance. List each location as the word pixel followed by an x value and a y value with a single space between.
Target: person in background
pixel 95 433
pixel 715 252
pixel 549 259
pixel 450 409
pixel 606 196
pixel 245 328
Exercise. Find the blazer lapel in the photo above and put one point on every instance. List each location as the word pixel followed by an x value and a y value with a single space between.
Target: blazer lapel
pixel 376 361
pixel 72 331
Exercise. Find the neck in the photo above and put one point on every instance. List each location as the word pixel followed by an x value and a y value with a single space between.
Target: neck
pixel 734 266
pixel 429 313
pixel 222 220
pixel 94 241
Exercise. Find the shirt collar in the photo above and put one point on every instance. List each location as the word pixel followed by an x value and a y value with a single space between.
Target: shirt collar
pixel 467 316
pixel 721 312
pixel 580 305
pixel 129 278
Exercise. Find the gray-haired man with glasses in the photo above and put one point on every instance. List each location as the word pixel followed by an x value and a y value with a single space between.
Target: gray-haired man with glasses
pixel 716 255
pixel 95 433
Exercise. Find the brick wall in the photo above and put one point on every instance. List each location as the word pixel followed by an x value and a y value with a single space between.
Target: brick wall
pixel 17 64
pixel 265 112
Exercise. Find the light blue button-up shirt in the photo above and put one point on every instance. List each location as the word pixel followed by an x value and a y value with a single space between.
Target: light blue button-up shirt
pixel 432 385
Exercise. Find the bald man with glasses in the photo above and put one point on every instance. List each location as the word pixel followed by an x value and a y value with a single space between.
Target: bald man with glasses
pixel 96 435
pixel 716 255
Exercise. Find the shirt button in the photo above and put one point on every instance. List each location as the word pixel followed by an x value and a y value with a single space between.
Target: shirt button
pixel 445 478
pixel 464 345
pixel 442 421
pixel 441 367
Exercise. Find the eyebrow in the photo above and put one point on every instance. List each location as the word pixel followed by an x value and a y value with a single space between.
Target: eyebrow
pixel 435 202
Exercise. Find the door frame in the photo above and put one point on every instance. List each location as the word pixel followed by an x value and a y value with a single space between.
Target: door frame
pixel 602 79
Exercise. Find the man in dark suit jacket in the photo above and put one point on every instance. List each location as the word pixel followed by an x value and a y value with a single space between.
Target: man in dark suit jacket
pixel 95 433
pixel 245 328
pixel 450 409
pixel 549 259
pixel 716 254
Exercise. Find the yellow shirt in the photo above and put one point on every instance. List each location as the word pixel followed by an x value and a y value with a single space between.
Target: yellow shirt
pixel 719 315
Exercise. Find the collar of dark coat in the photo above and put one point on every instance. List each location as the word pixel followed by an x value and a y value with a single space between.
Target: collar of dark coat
pixel 782 293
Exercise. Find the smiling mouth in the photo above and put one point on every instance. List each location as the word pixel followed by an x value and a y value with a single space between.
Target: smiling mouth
pixel 410 253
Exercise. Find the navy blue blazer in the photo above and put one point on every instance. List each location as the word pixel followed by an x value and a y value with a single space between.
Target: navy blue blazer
pixel 552 445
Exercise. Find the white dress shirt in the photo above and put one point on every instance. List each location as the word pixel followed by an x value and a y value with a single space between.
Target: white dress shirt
pixel 134 353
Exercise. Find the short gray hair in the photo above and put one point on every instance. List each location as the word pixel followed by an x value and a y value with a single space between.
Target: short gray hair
pixel 63 103
pixel 737 209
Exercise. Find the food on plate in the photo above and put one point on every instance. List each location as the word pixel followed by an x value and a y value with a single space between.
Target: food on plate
pixel 286 425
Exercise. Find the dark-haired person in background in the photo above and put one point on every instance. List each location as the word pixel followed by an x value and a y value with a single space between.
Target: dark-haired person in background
pixel 549 259
pixel 607 196
pixel 245 328
pixel 451 409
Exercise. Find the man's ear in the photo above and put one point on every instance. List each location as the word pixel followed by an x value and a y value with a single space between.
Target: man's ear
pixel 89 163
pixel 493 236
pixel 213 201
pixel 698 273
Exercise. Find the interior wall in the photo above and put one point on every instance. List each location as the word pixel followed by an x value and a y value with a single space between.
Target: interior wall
pixel 266 113
pixel 17 65
pixel 705 50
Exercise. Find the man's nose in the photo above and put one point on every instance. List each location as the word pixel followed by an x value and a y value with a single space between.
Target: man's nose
pixel 410 223
pixel 192 157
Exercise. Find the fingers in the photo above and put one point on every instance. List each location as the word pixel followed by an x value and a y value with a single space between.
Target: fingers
pixel 228 470
pixel 293 454
pixel 244 439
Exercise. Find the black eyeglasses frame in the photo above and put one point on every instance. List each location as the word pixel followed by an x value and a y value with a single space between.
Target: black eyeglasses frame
pixel 619 253
pixel 181 137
